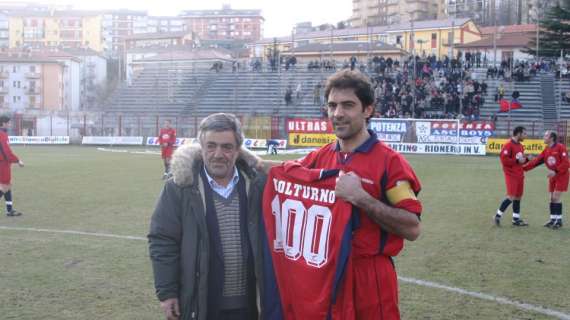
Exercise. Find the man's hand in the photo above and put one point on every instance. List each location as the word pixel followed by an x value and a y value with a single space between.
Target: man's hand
pixel 349 187
pixel 551 174
pixel 21 163
pixel 171 308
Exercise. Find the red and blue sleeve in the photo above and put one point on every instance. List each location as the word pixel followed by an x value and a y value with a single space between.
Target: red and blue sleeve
pixel 7 153
pixel 507 158
pixel 535 162
pixel 562 166
pixel 403 185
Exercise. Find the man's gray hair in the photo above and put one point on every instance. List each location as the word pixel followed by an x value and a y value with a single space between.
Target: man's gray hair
pixel 221 122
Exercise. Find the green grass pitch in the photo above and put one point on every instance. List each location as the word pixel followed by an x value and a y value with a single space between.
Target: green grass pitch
pixel 67 276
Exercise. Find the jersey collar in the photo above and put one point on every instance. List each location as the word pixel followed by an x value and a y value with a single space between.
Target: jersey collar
pixel 365 147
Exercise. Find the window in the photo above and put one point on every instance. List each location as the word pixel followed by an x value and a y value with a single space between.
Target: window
pixel 14 69
pixel 32 69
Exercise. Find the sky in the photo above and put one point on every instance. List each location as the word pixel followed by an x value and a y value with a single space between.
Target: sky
pixel 280 15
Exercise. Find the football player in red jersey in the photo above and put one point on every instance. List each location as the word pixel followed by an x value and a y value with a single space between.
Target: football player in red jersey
pixel 380 183
pixel 512 161
pixel 7 158
pixel 555 158
pixel 167 140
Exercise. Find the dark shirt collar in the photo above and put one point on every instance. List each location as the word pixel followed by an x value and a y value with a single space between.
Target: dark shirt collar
pixel 365 147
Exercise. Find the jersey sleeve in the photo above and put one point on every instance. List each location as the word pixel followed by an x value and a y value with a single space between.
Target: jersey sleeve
pixel 535 162
pixel 402 185
pixel 7 154
pixel 507 158
pixel 309 160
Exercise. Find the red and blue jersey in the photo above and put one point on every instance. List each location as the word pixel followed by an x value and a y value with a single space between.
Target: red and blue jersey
pixel 308 243
pixel 381 170
pixel 510 153
pixel 555 158
pixel 168 136
pixel 6 153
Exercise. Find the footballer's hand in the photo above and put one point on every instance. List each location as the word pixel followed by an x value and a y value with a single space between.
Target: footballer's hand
pixel 21 163
pixel 529 157
pixel 171 308
pixel 551 174
pixel 349 187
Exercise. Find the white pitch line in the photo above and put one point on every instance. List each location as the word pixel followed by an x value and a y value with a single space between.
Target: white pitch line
pixel 93 234
pixel 484 296
pixel 429 284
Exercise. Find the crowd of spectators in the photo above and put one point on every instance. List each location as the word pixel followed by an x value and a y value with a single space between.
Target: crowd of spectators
pixel 441 88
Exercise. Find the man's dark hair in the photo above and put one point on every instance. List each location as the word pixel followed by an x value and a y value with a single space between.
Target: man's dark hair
pixel 554 136
pixel 518 130
pixel 4 119
pixel 347 79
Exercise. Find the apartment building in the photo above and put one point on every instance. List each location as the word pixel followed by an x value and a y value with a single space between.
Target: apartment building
pixel 389 12
pixel 226 23
pixel 116 25
pixel 158 24
pixel 430 37
pixel 51 80
pixel 61 29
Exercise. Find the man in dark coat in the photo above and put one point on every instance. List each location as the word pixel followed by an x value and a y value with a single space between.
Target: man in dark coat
pixel 204 238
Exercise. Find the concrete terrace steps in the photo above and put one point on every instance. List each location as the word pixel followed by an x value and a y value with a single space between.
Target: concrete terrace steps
pixel 531 115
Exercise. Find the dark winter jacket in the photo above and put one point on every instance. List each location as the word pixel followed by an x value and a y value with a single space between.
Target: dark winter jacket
pixel 180 246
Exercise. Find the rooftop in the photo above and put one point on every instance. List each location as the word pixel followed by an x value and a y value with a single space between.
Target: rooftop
pixel 347 47
pixel 511 41
pixel 520 28
pixel 347 32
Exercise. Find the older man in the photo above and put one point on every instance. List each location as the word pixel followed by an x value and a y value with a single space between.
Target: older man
pixel 555 158
pixel 204 241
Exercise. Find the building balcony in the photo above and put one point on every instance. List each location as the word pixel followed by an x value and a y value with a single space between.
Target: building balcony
pixel 33 106
pixel 4 75
pixel 33 75
pixel 33 91
pixel 4 90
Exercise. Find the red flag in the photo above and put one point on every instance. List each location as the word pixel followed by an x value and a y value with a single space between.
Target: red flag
pixel 515 104
pixel 503 105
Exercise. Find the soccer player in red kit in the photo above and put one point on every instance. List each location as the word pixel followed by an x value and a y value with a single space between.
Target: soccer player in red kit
pixel 512 160
pixel 167 140
pixel 7 158
pixel 376 180
pixel 555 157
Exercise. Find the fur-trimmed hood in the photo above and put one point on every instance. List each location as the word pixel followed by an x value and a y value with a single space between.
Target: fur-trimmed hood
pixel 187 162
